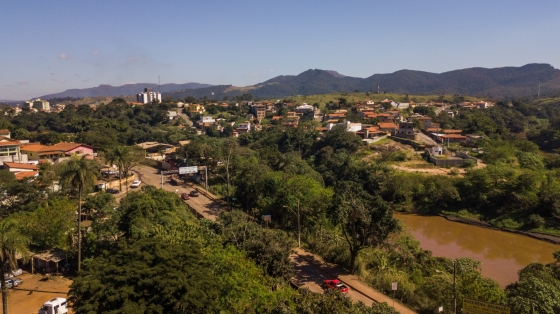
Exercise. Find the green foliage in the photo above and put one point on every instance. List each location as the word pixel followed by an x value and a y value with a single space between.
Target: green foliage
pixel 13 242
pixel 143 211
pixel 537 289
pixel 48 225
pixel 269 248
pixel 366 220
pixel 146 276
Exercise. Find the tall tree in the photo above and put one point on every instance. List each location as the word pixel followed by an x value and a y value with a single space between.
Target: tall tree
pixel 125 157
pixel 79 174
pixel 12 243
pixel 366 219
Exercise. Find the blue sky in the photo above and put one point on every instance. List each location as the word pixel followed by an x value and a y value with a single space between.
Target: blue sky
pixel 52 46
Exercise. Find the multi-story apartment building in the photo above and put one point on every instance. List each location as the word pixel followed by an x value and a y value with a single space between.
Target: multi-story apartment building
pixel 148 96
pixel 38 104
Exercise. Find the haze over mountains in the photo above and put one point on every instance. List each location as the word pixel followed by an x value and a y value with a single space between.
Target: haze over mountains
pixel 496 82
pixel 128 89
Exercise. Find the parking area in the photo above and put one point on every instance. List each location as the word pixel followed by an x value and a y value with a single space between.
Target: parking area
pixel 34 291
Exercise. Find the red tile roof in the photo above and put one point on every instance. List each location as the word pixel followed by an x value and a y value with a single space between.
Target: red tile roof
pixel 450 131
pixel 26 174
pixel 20 165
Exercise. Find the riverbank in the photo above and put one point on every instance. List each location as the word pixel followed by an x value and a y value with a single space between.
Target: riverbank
pixel 478 223
pixel 502 254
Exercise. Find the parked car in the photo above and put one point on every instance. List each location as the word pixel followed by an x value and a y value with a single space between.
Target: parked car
pixel 16 282
pixel 17 272
pixel 194 193
pixel 14 273
pixel 112 191
pixel 184 196
pixel 135 184
pixel 54 306
pixel 107 173
pixel 9 283
pixel 336 284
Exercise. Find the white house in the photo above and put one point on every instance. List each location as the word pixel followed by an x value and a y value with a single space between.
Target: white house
pixel 171 114
pixel 437 150
pixel 244 127
pixel 207 119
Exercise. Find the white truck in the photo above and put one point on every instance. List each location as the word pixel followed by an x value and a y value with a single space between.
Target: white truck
pixel 54 306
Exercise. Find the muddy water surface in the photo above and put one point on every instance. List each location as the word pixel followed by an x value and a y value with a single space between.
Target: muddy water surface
pixel 502 253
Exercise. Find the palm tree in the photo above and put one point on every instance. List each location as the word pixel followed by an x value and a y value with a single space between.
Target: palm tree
pixel 78 174
pixel 12 244
pixel 125 158
pixel 118 155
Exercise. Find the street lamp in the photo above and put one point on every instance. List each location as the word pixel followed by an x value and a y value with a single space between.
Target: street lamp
pixel 454 285
pixel 298 229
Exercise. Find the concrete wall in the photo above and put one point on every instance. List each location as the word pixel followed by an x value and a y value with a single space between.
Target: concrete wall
pixel 440 162
pixel 466 156
pixel 405 141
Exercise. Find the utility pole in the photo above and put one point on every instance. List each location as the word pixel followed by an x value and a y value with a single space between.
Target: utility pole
pixel 455 286
pixel 298 225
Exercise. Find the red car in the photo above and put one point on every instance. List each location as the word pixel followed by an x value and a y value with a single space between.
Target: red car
pixel 184 196
pixel 336 284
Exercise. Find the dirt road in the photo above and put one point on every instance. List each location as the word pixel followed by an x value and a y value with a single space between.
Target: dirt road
pixel 34 291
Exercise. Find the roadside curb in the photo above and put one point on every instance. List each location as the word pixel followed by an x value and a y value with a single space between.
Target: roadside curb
pixel 320 264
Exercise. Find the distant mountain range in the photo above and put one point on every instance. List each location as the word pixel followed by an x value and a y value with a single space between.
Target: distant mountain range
pixel 128 89
pixel 496 82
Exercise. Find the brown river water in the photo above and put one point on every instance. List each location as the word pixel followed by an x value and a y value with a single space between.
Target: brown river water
pixel 502 253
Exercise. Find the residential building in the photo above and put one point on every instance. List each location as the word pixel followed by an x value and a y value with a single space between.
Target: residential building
pixel 58 152
pixel 207 119
pixel 5 133
pixel 171 114
pixel 148 96
pixel 21 170
pixel 195 108
pixel 38 104
pixel 10 149
pixel 259 111
pixel 244 127
pixel 406 130
pixel 437 150
pixel 452 138
pixel 305 108
pixel 388 127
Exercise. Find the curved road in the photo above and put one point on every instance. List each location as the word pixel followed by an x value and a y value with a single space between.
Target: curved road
pixel 310 271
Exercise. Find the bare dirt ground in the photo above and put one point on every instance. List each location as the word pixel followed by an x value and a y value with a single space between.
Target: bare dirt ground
pixel 417 164
pixel 34 291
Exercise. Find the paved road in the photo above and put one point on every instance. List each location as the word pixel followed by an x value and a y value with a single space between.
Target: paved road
pixel 310 270
pixel 205 206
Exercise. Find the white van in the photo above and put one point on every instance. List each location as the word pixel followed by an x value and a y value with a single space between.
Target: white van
pixel 54 306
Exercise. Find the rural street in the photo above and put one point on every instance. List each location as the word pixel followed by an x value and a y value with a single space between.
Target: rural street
pixel 426 139
pixel 205 206
pixel 310 271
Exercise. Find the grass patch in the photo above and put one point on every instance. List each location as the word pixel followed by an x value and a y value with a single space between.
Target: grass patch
pixel 381 142
pixel 463 213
